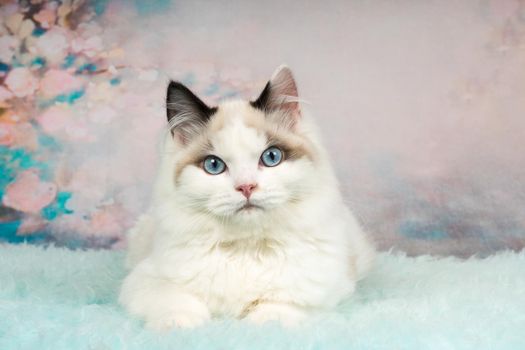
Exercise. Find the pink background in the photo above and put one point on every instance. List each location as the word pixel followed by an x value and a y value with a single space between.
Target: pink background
pixel 421 104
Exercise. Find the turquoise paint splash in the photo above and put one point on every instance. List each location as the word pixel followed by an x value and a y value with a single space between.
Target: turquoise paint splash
pixel 69 98
pixel 7 169
pixel 38 62
pixel 15 160
pixel 25 160
pixel 144 7
pixel 99 6
pixel 4 67
pixel 149 7
pixel 86 68
pixel 49 143
pixel 58 207
pixel 115 81
pixel 69 61
pixel 8 234
pixel 38 32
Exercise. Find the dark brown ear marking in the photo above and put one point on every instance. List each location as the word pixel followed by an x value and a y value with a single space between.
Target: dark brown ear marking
pixel 262 101
pixel 187 114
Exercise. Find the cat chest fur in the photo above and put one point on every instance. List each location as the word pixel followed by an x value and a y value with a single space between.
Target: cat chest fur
pixel 230 276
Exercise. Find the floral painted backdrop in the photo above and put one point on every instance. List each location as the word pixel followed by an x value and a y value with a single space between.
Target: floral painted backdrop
pixel 421 104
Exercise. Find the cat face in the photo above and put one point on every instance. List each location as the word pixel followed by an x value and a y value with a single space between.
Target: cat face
pixel 242 161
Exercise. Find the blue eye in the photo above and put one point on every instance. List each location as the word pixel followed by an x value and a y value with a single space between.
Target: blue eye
pixel 272 156
pixel 213 165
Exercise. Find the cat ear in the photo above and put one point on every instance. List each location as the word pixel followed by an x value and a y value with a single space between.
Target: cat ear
pixel 280 93
pixel 187 114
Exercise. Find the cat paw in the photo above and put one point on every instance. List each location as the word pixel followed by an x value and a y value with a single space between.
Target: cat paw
pixel 180 319
pixel 288 315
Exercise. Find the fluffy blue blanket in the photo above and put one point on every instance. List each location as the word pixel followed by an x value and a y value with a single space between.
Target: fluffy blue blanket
pixel 60 299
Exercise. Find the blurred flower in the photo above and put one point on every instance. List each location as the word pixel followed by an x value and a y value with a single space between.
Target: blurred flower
pixel 46 17
pixel 31 223
pixel 88 29
pixel 58 121
pixel 25 136
pixel 6 134
pixel 28 193
pixel 54 119
pixel 17 134
pixel 4 95
pixel 71 13
pixel 89 47
pixel 21 82
pixel 14 22
pixel 102 92
pixel 8 8
pixel 8 46
pixel 19 26
pixel 108 221
pixel 57 82
pixel 53 45
pixel 26 29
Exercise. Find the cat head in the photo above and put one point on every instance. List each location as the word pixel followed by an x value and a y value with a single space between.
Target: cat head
pixel 242 161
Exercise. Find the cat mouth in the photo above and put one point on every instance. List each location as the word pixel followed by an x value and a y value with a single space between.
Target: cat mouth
pixel 247 207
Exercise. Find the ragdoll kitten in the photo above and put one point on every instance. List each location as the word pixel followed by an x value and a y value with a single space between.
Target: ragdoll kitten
pixel 247 219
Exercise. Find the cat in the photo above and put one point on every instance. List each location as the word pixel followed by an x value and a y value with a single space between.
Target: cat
pixel 246 220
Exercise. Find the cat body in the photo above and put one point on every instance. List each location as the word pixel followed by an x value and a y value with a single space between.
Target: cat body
pixel 246 220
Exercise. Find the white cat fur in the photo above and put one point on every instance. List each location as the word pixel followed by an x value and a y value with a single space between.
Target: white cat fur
pixel 304 252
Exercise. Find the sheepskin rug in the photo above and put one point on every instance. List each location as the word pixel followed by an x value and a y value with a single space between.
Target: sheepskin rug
pixel 55 298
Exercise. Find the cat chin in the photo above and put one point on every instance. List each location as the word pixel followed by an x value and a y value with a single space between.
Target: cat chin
pixel 251 220
pixel 249 216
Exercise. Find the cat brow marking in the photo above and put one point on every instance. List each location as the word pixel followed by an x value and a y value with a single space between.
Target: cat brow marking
pixel 194 153
pixel 278 133
pixel 278 129
pixel 293 146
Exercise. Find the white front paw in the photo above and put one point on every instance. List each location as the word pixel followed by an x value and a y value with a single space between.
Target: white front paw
pixel 182 311
pixel 177 319
pixel 289 315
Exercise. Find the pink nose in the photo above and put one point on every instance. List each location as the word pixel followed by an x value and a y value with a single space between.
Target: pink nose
pixel 246 189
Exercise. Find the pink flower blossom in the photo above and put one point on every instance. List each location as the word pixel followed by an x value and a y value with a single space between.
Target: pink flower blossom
pixel 89 47
pixel 108 221
pixel 9 9
pixel 31 223
pixel 7 132
pixel 8 45
pixel 21 82
pixel 46 17
pixel 54 119
pixel 25 136
pixel 26 29
pixel 5 94
pixel 57 82
pixel 58 121
pixel 19 134
pixel 28 193
pixel 53 45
